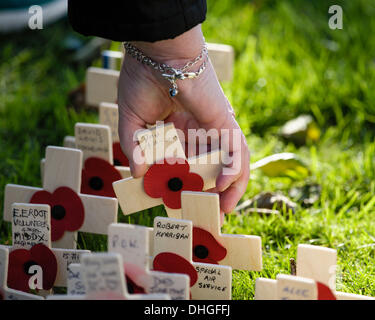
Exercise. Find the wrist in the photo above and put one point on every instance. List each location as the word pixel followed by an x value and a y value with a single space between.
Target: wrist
pixel 177 51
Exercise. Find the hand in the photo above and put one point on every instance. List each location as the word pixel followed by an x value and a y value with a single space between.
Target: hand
pixel 143 98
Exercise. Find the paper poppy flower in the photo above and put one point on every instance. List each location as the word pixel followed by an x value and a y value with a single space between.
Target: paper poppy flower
pixel 98 176
pixel 119 158
pixel 67 211
pixel 174 263
pixel 324 292
pixel 20 261
pixel 133 288
pixel 167 181
pixel 205 247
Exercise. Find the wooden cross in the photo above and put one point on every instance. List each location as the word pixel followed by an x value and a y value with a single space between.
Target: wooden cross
pixel 104 278
pixel 31 225
pixel 8 293
pixel 108 115
pixel 101 86
pixel 222 58
pixel 157 143
pixel 132 242
pixel 175 236
pixel 95 140
pixel 243 252
pixel 315 265
pixel 63 168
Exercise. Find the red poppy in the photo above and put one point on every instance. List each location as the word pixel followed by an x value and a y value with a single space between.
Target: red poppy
pixel 20 261
pixel 67 211
pixel 174 263
pixel 98 176
pixel 133 288
pixel 324 292
pixel 205 247
pixel 119 158
pixel 167 181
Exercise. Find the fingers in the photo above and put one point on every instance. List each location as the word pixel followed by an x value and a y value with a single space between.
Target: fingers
pixel 128 126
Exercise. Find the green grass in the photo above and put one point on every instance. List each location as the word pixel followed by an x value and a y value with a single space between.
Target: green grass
pixel 288 62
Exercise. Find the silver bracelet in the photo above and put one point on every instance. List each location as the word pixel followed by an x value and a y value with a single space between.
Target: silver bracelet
pixel 169 73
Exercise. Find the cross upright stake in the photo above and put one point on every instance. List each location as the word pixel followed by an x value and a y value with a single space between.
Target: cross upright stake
pixel 243 252
pixel 172 252
pixel 158 143
pixel 103 274
pixel 99 170
pixel 132 242
pixel 71 211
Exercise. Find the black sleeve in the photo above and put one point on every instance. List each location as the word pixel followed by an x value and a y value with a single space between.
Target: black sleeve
pixel 136 20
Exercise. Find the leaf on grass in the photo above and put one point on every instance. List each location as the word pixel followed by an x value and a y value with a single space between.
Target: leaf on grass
pixel 275 202
pixel 300 130
pixel 282 164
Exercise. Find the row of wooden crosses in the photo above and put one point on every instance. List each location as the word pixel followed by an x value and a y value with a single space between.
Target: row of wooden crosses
pixel 184 256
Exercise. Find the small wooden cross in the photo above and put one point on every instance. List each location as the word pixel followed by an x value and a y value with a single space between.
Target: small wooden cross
pixel 101 86
pixel 157 143
pixel 8 293
pixel 175 236
pixel 108 115
pixel 104 273
pixel 63 169
pixel 243 252
pixel 315 279
pixel 222 58
pixel 95 140
pixel 132 242
pixel 31 225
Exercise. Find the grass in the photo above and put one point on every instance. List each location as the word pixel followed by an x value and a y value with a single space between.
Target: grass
pixel 288 62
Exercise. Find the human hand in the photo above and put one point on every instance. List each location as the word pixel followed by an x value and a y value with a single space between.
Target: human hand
pixel 144 98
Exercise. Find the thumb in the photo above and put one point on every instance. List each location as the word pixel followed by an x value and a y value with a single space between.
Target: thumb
pixel 127 129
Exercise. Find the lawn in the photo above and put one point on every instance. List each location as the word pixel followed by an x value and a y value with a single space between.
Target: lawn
pixel 288 62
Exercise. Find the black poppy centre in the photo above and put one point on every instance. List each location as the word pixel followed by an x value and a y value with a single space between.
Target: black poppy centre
pixel 117 162
pixel 96 183
pixel 58 212
pixel 27 265
pixel 201 252
pixel 175 184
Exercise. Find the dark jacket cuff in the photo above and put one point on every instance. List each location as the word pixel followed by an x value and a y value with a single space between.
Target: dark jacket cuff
pixel 147 20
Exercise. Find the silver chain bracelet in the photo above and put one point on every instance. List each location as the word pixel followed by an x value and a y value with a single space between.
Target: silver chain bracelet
pixel 169 73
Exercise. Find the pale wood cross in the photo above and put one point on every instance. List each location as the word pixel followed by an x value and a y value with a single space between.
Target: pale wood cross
pixel 31 225
pixel 315 265
pixel 132 242
pixel 157 143
pixel 171 235
pixel 244 252
pixel 101 86
pixel 103 277
pixel 108 115
pixel 95 140
pixel 8 293
pixel 63 168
